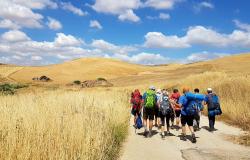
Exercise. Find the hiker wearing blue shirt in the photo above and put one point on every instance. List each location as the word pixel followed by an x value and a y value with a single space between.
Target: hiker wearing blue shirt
pixel 186 116
pixel 199 109
pixel 213 106
pixel 149 103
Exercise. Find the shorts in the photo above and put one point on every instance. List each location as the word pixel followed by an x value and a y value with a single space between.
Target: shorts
pixel 156 112
pixel 177 113
pixel 197 116
pixel 148 113
pixel 187 120
pixel 135 112
pixel 168 117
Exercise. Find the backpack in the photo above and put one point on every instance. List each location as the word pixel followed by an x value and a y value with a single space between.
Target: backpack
pixel 136 99
pixel 165 106
pixel 138 122
pixel 191 109
pixel 213 102
pixel 150 99
pixel 213 105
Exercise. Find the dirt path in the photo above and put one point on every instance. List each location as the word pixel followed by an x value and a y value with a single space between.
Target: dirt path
pixel 209 146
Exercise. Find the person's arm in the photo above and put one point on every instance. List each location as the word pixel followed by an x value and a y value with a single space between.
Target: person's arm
pixel 175 103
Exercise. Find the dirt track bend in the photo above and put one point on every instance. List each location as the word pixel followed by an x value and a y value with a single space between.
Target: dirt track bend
pixel 209 146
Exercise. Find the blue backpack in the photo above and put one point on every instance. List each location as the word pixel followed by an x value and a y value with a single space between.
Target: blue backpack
pixel 191 108
pixel 139 124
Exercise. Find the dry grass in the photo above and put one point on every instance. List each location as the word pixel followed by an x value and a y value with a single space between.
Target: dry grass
pixel 234 93
pixel 63 125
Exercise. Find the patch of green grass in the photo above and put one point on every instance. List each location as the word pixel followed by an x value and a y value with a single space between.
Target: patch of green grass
pixel 8 88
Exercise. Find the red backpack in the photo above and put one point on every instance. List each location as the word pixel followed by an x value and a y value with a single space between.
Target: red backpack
pixel 136 99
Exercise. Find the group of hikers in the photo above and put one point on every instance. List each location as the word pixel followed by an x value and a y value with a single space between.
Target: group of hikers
pixel 162 108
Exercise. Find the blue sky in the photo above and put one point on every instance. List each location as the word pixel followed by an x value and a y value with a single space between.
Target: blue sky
pixel 41 32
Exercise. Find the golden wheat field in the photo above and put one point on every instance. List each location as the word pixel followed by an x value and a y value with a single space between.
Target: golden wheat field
pixel 56 122
pixel 63 125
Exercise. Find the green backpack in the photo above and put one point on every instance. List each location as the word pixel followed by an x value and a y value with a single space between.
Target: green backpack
pixel 150 99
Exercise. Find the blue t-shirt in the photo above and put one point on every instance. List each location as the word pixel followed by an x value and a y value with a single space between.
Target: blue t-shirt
pixel 183 101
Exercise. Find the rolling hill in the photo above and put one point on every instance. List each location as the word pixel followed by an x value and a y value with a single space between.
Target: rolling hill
pixel 122 73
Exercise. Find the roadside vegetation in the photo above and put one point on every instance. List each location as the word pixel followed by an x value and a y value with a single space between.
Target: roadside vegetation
pixel 8 88
pixel 234 93
pixel 60 124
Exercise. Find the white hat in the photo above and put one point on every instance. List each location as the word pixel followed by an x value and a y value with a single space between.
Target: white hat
pixel 152 88
pixel 209 89
pixel 158 91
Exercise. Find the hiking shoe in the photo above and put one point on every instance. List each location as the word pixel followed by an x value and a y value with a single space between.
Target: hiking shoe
pixel 193 138
pixel 149 135
pixel 162 136
pixel 183 137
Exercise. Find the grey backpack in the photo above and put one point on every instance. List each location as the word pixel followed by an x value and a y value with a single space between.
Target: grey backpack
pixel 165 106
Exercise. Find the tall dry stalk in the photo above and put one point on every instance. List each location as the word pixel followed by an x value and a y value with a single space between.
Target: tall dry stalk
pixel 63 125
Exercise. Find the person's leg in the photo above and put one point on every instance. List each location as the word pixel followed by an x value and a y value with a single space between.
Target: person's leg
pixel 211 122
pixel 145 118
pixel 183 123
pixel 168 123
pixel 172 117
pixel 151 119
pixel 190 120
pixel 177 113
pixel 162 125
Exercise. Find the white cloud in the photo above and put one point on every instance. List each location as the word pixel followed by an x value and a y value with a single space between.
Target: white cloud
pixel 107 47
pixel 17 57
pixel 204 56
pixel 114 6
pixel 54 24
pixel 36 4
pixel 164 16
pixel 67 40
pixel 198 35
pixel 129 15
pixel 14 36
pixel 123 9
pixel 20 14
pixel 142 58
pixel 8 24
pixel 95 24
pixel 202 5
pixel 160 4
pixel 36 58
pixel 69 7
pixel 159 40
pixel 243 26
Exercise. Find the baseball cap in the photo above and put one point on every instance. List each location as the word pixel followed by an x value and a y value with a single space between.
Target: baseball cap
pixel 152 88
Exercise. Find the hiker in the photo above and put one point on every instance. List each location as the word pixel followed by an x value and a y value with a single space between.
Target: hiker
pixel 149 102
pixel 157 116
pixel 199 109
pixel 187 113
pixel 136 101
pixel 165 109
pixel 177 110
pixel 213 106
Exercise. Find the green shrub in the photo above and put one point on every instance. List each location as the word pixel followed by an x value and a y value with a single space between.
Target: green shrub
pixel 10 88
pixel 77 82
pixel 101 79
